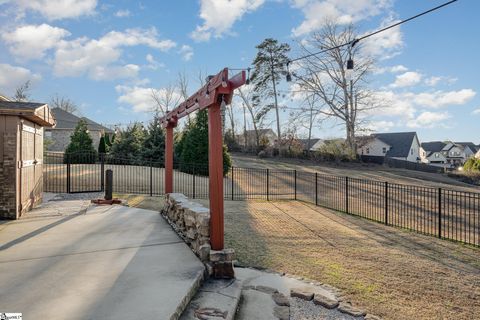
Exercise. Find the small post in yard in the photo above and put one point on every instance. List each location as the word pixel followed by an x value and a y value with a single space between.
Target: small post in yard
pixel 386 203
pixel 346 194
pixel 102 171
pixel 151 178
pixel 232 183
pixel 295 186
pixel 109 185
pixel 268 184
pixel 68 173
pixel 316 188
pixel 440 213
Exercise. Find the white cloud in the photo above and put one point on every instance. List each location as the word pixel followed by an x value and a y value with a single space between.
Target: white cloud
pixel 476 111
pixel 384 45
pixel 439 99
pixel 393 104
pixel 220 15
pixel 342 11
pixel 97 57
pixel 140 98
pixel 398 68
pixel 59 9
pixel 187 52
pixel 434 80
pixel 380 126
pixel 152 63
pixel 122 13
pixel 407 79
pixel 11 77
pixel 31 41
pixel 429 119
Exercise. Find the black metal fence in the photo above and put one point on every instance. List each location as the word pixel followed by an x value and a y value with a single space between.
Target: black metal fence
pixel 444 213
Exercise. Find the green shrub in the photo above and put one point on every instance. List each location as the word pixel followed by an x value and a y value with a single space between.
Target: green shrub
pixel 80 149
pixel 472 165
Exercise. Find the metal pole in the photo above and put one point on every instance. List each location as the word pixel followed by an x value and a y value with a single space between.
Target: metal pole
pixel 232 182
pixel 295 186
pixel 386 203
pixel 109 186
pixel 440 212
pixel 193 191
pixel 151 179
pixel 346 194
pixel 316 188
pixel 268 184
pixel 102 171
pixel 68 173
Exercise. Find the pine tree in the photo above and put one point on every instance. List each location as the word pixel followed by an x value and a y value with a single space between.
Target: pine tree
pixel 154 144
pixel 102 145
pixel 128 144
pixel 107 140
pixel 80 149
pixel 195 147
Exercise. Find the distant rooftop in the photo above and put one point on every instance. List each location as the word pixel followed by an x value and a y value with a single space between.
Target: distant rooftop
pixel 67 120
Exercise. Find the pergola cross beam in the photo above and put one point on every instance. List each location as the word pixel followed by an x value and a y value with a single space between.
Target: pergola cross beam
pixel 218 88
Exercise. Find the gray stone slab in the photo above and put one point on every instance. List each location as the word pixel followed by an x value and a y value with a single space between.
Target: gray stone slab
pixel 108 263
pixel 256 305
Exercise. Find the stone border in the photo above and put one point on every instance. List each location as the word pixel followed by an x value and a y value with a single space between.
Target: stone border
pixel 191 221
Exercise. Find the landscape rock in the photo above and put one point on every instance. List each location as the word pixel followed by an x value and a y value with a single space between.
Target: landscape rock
pixel 281 312
pixel 351 310
pixel 325 301
pixel 280 299
pixel 266 289
pixel 302 293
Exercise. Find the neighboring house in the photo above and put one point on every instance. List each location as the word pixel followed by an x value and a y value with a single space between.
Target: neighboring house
pixel 432 153
pixel 396 145
pixel 310 144
pixel 451 153
pixel 66 123
pixel 266 137
pixel 477 155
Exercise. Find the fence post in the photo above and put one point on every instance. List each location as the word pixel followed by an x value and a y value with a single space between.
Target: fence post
pixel 232 184
pixel 193 182
pixel 316 188
pixel 102 171
pixel 109 188
pixel 295 186
pixel 386 203
pixel 151 179
pixel 268 184
pixel 440 213
pixel 346 194
pixel 68 173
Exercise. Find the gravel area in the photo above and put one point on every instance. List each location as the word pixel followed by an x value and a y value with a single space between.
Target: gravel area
pixel 307 310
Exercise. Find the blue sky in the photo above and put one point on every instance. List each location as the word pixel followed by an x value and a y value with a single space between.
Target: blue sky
pixel 108 55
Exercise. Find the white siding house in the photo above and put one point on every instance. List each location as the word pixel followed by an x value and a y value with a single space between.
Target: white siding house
pixel 396 145
pixel 373 147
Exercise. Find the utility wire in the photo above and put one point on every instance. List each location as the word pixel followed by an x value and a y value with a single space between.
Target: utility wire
pixel 353 42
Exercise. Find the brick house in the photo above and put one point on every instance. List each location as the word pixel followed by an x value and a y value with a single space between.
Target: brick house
pixel 59 137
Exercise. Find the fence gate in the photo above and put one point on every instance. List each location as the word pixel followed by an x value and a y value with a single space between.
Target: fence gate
pixel 85 173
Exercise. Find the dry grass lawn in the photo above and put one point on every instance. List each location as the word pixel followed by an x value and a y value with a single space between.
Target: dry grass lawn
pixel 389 272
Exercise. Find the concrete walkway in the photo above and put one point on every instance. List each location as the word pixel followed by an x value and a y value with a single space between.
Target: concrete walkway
pixel 109 262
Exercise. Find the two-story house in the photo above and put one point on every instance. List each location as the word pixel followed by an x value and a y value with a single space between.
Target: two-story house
pixel 396 145
pixel 432 153
pixel 449 153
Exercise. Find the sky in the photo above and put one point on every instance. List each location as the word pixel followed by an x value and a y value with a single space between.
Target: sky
pixel 107 56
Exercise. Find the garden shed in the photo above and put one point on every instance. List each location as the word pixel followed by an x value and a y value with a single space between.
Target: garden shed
pixel 21 155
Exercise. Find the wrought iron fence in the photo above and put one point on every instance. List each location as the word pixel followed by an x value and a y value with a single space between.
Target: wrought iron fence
pixel 444 213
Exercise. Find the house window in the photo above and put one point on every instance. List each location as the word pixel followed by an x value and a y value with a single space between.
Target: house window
pixel 384 150
pixel 437 155
pixel 368 150
pixel 411 151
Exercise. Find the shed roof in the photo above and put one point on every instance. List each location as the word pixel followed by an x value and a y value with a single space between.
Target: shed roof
pixel 67 120
pixel 400 142
pixel 36 112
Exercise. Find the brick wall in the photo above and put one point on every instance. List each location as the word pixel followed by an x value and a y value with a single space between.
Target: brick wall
pixel 61 138
pixel 8 200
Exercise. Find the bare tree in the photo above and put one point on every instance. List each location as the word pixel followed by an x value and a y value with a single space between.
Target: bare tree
pixel 308 115
pixel 63 103
pixel 22 93
pixel 182 84
pixel 165 99
pixel 251 102
pixel 344 92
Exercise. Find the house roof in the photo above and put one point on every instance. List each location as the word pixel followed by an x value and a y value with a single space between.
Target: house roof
pixel 67 120
pixel 400 142
pixel 433 146
pixel 471 145
pixel 38 113
pixel 307 145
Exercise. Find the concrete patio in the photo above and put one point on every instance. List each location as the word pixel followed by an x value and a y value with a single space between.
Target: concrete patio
pixel 68 260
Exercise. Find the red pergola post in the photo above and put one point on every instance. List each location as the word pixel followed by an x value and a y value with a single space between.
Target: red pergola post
pixel 169 159
pixel 215 171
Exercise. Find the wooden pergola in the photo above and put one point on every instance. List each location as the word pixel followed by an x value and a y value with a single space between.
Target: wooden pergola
pixel 218 88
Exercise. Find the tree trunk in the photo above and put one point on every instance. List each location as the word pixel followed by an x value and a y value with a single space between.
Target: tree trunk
pixel 275 98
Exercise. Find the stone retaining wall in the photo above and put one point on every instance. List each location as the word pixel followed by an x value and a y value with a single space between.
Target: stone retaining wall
pixel 191 221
